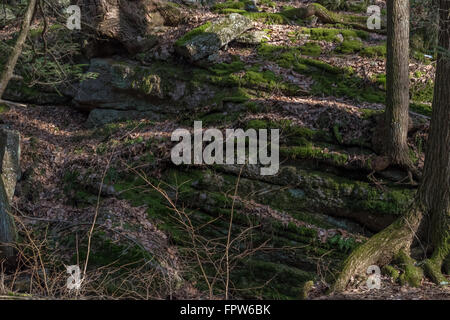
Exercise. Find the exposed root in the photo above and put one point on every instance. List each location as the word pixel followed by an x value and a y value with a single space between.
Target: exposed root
pixel 411 275
pixel 438 262
pixel 307 286
pixel 12 104
pixel 392 272
pixel 446 266
pixel 381 248
pixel 432 269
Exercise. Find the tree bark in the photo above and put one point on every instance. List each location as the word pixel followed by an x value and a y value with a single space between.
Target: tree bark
pixel 436 195
pixel 7 226
pixel 8 233
pixel 14 56
pixel 397 83
pixel 432 200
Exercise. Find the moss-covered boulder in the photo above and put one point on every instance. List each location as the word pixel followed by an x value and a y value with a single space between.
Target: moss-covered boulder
pixel 210 37
pixel 130 90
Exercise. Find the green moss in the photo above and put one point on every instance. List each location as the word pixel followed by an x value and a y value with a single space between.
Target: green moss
pixel 239 5
pixel 229 75
pixel 350 18
pixel 219 118
pixel 305 289
pixel 228 11
pixel 411 274
pixel 3 108
pixel 311 49
pixel 334 5
pixel 369 113
pixel 267 17
pixel 288 57
pixel 75 192
pixel 380 79
pixel 334 16
pixel 374 51
pixel 433 271
pixel 312 152
pixel 268 3
pixel 227 68
pixel 192 34
pixel 358 6
pixel 349 46
pixel 422 92
pixel 332 34
pixel 290 133
pixel 337 134
pixel 393 202
pixel 328 80
pixel 392 272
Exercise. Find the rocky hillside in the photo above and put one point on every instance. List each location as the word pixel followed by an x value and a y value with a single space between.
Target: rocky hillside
pixel 96 144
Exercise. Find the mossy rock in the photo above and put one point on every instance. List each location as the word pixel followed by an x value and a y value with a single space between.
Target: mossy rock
pixel 211 36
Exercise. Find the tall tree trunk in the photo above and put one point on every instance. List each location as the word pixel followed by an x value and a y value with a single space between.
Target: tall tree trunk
pixel 433 197
pixel 436 197
pixel 397 83
pixel 12 60
pixel 7 226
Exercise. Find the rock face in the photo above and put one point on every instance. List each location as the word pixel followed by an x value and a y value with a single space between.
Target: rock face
pixel 210 37
pixel 123 91
pixel 10 171
pixel 10 159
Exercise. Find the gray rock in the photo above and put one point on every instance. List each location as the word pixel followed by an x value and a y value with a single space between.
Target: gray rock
pixel 130 91
pixel 7 227
pixel 10 172
pixel 10 159
pixel 214 36
pixel 100 117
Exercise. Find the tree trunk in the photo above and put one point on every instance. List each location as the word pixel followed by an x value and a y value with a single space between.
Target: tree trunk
pixel 436 195
pixel 12 60
pixel 7 226
pixel 397 83
pixel 433 197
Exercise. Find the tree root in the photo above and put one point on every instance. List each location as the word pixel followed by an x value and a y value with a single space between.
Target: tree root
pixel 411 275
pixel 381 248
pixel 12 104
pixel 432 269
pixel 446 265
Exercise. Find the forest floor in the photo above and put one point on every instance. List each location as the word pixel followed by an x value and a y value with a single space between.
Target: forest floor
pixel 49 134
pixel 74 175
